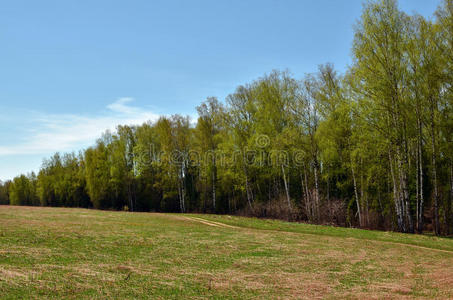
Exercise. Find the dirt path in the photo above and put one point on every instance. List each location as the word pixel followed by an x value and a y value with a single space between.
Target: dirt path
pixel 414 246
pixel 211 223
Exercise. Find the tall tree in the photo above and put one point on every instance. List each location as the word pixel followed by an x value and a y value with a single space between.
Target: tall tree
pixel 207 133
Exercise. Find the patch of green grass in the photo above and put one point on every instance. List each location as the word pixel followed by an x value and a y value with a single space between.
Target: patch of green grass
pixel 77 253
pixel 428 241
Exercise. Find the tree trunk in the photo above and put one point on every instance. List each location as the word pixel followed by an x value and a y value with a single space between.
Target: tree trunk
pixel 247 189
pixel 129 196
pixel 363 199
pixel 179 196
pixel 434 172
pixel 307 197
pixel 329 207
pixel 449 212
pixel 405 194
pixel 182 190
pixel 183 196
pixel 401 193
pixel 396 198
pixel 418 158
pixel 316 167
pixel 286 189
pixel 214 179
pixel 304 195
pixel 420 198
pixel 421 205
pixel 356 194
pixel 205 193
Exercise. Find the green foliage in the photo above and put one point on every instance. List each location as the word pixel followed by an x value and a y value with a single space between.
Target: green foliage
pixel 22 190
pixel 4 192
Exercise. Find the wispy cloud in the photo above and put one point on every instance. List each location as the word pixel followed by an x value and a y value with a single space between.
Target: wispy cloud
pixel 70 132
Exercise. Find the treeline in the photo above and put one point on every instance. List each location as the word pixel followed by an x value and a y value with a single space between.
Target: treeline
pixel 371 148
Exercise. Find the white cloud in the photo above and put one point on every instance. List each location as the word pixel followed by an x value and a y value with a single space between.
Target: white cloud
pixel 71 132
pixel 120 106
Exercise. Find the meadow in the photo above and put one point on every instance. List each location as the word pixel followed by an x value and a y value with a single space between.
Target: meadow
pixel 80 253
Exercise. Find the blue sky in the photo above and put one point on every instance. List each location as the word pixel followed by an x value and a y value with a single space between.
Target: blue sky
pixel 69 70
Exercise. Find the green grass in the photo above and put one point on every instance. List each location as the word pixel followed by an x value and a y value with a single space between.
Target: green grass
pixel 77 253
pixel 428 241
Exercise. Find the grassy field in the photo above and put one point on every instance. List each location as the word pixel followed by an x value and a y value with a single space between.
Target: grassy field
pixel 77 253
